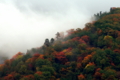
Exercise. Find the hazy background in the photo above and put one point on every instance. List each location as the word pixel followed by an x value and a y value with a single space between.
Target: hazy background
pixel 25 24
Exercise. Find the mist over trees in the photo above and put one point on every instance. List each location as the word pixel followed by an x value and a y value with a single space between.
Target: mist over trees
pixel 91 53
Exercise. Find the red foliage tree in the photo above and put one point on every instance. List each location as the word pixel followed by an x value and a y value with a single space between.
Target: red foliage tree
pixel 61 57
pixel 28 77
pixel 36 55
pixel 69 49
pixel 9 77
pixel 79 59
pixel 97 75
pixel 117 50
pixel 85 38
pixel 98 69
pixel 81 77
pixel 39 73
pixel 82 41
pixel 76 38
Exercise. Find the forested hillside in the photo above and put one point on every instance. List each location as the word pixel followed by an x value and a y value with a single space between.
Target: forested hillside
pixel 91 53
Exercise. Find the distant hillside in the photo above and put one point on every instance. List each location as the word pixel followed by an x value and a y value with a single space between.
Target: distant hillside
pixel 91 53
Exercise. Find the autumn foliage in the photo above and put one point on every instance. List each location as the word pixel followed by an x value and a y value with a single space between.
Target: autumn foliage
pixel 91 53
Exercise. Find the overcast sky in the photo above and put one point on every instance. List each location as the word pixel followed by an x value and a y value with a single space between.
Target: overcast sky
pixel 25 24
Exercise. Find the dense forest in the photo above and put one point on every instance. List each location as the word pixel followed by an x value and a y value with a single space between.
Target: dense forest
pixel 91 53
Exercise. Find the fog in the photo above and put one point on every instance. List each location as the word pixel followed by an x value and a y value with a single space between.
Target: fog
pixel 25 24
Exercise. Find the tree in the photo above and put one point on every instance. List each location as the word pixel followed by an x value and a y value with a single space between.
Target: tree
pixel 81 41
pixel 85 38
pixel 61 57
pixel 52 41
pixel 90 69
pixel 86 59
pixel 9 77
pixel 41 62
pixel 58 35
pixel 28 77
pixel 47 43
pixel 81 77
pixel 38 76
pixel 108 74
pixel 46 68
pixel 97 75
pixel 18 55
pixel 23 69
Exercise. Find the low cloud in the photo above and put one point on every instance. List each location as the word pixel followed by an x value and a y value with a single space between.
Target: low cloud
pixel 25 24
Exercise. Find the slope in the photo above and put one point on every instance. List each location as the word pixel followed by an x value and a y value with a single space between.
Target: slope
pixel 91 53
